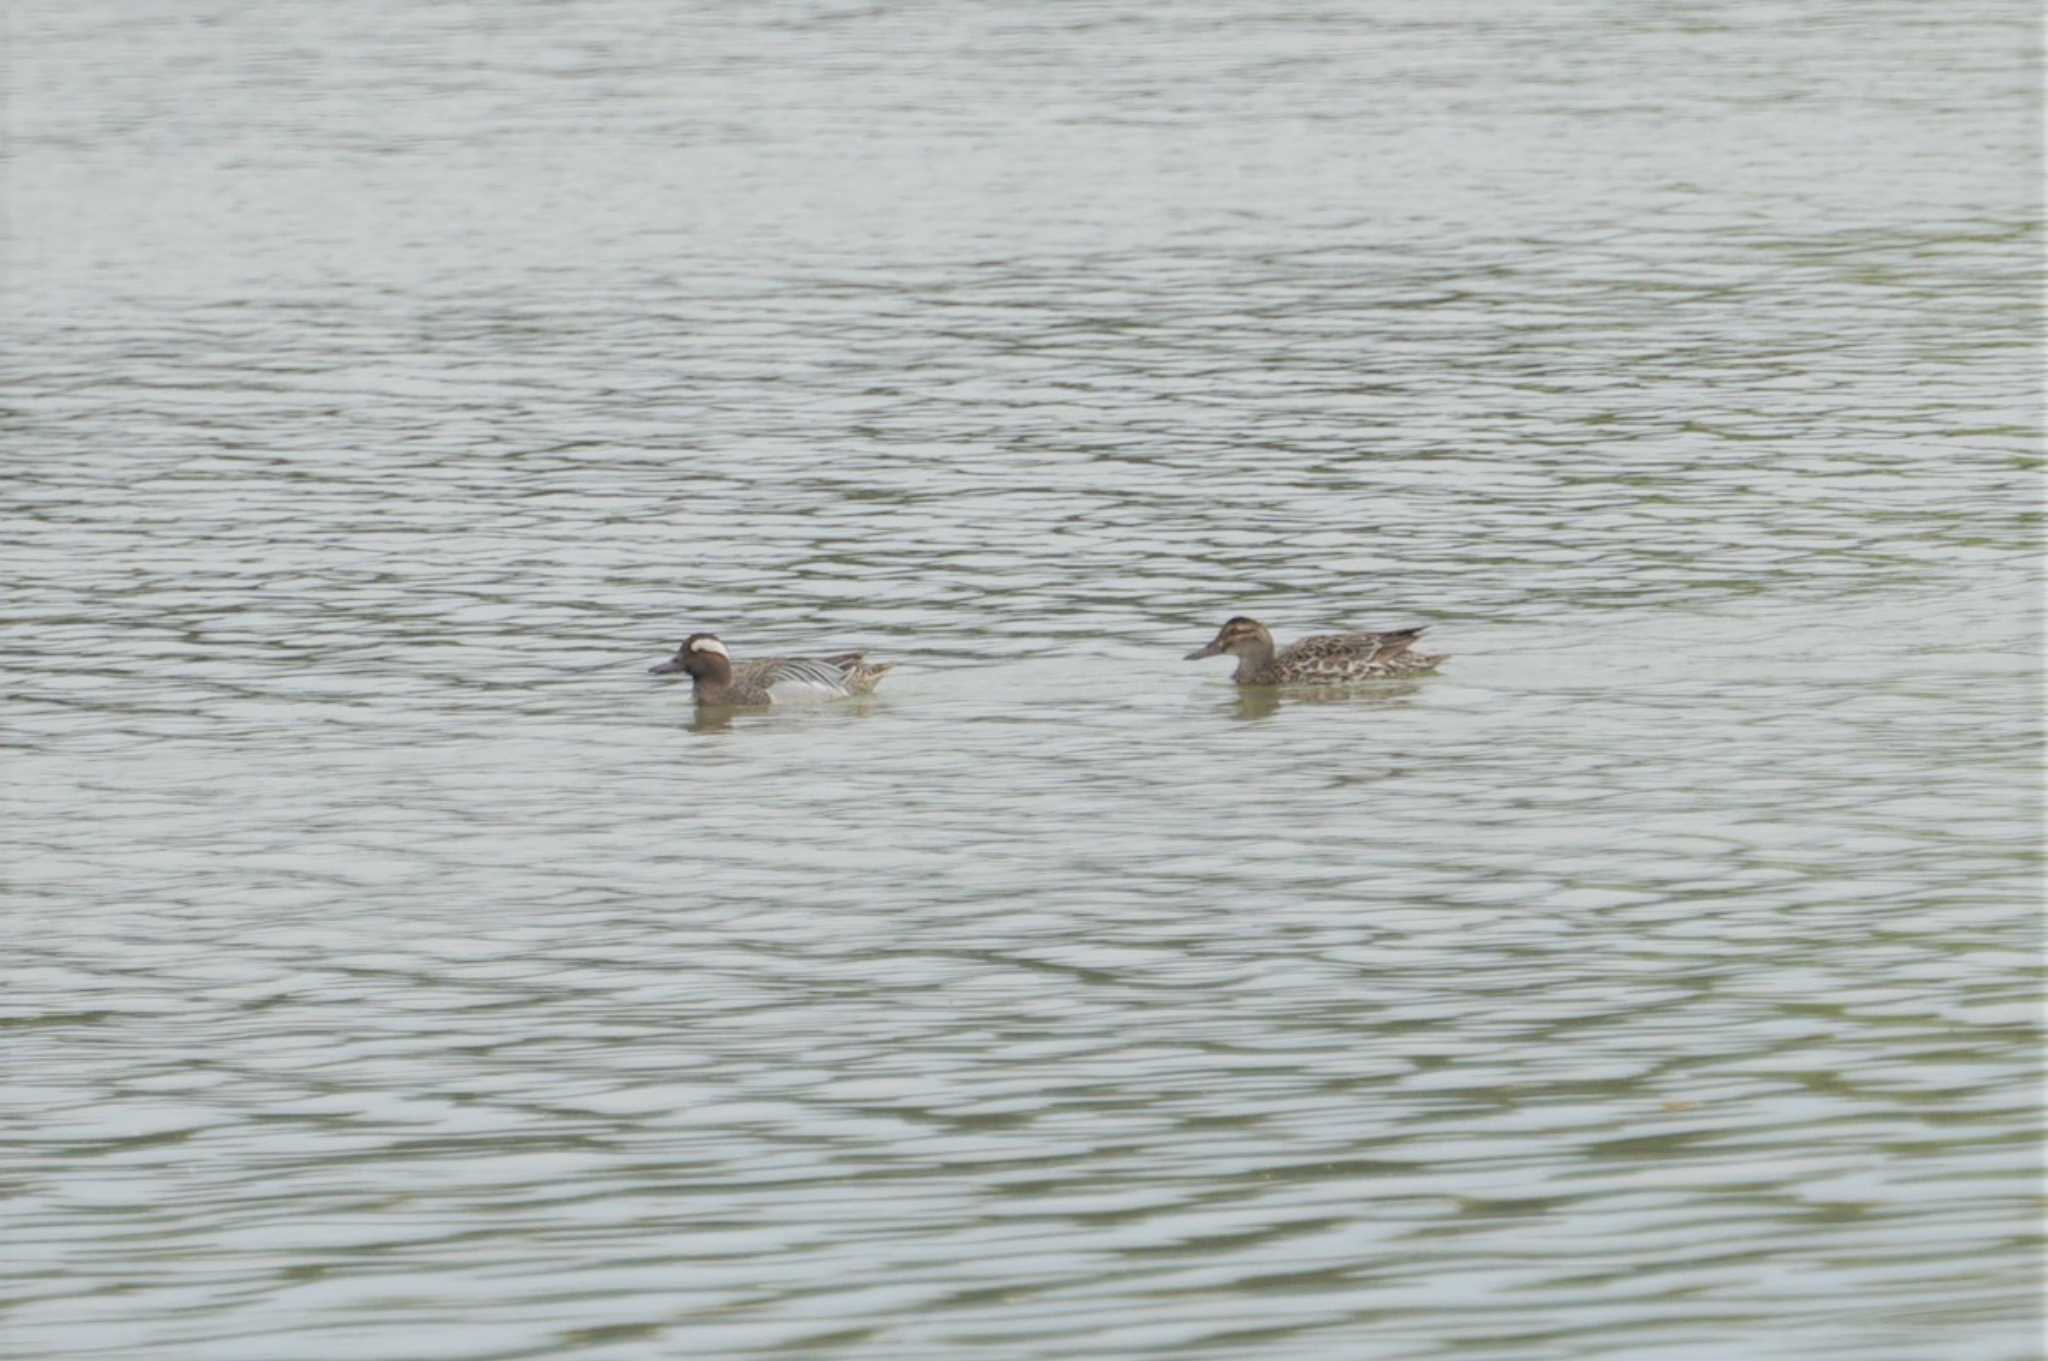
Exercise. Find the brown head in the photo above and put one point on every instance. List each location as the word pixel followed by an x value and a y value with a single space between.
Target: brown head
pixel 1240 637
pixel 702 658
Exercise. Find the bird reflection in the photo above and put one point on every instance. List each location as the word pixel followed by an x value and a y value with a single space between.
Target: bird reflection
pixel 712 718
pixel 718 718
pixel 1263 701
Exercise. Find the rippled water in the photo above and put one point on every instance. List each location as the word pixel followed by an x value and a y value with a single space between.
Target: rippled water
pixel 399 971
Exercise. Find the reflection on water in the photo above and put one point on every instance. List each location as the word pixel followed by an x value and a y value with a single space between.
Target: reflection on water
pixel 795 716
pixel 395 973
pixel 1262 701
pixel 713 718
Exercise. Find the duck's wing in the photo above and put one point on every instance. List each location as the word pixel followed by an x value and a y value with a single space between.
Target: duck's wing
pixel 1350 648
pixel 785 676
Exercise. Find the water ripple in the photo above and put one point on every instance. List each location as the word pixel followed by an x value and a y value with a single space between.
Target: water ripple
pixel 400 970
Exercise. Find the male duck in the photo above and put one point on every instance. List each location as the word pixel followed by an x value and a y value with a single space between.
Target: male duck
pixel 1325 659
pixel 768 680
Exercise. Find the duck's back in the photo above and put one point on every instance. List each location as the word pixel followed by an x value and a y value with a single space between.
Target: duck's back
pixel 779 680
pixel 1352 656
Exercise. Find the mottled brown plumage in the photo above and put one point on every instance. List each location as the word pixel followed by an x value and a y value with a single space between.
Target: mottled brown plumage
pixel 1324 659
pixel 718 680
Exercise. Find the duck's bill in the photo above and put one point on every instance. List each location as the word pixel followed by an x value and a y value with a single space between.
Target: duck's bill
pixel 665 668
pixel 1202 652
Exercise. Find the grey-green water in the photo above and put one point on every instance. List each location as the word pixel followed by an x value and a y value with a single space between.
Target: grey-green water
pixel 397 971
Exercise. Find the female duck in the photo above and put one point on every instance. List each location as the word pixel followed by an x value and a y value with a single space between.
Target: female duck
pixel 768 680
pixel 1325 659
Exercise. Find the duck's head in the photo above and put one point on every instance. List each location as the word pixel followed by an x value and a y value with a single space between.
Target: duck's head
pixel 701 656
pixel 1239 636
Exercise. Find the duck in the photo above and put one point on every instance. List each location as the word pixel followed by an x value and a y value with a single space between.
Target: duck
pixel 766 681
pixel 1321 659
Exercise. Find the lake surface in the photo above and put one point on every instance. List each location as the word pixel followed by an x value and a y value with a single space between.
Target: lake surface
pixel 396 970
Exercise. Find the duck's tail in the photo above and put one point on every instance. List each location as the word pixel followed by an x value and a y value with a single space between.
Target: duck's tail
pixel 1400 640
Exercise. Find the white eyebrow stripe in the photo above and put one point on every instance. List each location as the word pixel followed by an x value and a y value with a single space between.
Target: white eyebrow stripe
pixel 710 645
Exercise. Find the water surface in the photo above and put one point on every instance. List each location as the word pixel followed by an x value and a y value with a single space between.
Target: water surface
pixel 399 971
